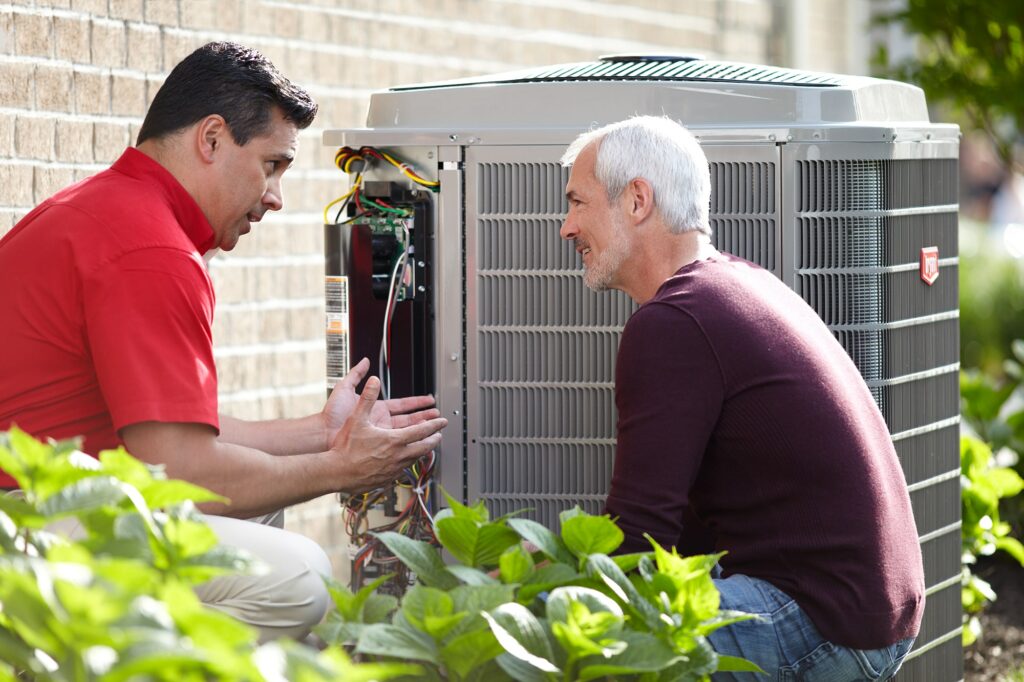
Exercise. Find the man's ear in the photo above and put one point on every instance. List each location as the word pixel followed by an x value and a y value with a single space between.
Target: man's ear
pixel 210 134
pixel 640 196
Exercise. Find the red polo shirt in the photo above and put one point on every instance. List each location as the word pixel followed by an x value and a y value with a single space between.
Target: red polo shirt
pixel 107 309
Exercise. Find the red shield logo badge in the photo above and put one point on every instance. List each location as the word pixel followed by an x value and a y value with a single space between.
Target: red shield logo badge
pixel 929 264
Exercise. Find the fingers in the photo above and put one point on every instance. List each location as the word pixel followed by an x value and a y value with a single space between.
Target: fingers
pixel 402 420
pixel 356 374
pixel 410 404
pixel 414 451
pixel 372 455
pixel 419 439
pixel 366 399
pixel 416 432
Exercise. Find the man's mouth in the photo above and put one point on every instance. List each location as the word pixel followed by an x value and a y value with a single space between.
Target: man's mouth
pixel 250 218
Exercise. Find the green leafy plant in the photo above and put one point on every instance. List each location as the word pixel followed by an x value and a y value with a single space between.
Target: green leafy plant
pixel 118 604
pixel 984 533
pixel 993 409
pixel 561 610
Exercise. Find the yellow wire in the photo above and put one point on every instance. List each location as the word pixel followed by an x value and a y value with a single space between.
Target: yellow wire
pixel 343 160
pixel 351 191
pixel 346 155
pixel 418 179
pixel 407 171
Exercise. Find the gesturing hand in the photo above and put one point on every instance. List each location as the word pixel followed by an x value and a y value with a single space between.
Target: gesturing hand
pixel 394 413
pixel 371 454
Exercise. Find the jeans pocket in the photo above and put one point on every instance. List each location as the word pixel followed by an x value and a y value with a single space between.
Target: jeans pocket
pixel 832 663
pixel 874 662
pixel 881 664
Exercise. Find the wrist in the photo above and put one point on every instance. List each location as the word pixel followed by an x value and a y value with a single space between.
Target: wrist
pixel 335 468
pixel 321 424
pixel 329 469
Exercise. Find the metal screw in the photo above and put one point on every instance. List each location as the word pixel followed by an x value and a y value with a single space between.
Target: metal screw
pixel 421 288
pixel 453 137
pixel 772 137
pixel 455 412
pixel 454 357
pixel 421 264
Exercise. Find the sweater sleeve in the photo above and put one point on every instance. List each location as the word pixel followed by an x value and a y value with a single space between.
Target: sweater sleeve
pixel 668 392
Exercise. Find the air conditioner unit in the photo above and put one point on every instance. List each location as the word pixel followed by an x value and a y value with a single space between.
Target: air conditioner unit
pixel 839 185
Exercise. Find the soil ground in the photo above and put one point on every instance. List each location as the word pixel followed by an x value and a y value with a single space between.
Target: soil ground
pixel 998 655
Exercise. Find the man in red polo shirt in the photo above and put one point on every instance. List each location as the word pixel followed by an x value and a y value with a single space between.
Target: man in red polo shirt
pixel 108 308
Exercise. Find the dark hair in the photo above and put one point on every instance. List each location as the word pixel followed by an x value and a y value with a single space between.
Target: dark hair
pixel 233 81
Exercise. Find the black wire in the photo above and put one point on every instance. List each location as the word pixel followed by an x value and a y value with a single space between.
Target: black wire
pixel 344 204
pixel 357 216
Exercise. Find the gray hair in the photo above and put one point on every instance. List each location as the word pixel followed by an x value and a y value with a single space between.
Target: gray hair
pixel 663 153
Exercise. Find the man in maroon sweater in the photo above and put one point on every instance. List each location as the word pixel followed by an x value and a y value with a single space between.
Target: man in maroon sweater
pixel 743 426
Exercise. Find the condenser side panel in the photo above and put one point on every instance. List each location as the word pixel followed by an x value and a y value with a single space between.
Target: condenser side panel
pixel 874 251
pixel 746 195
pixel 449 306
pixel 540 346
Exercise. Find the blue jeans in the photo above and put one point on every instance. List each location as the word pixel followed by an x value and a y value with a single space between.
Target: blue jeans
pixel 786 644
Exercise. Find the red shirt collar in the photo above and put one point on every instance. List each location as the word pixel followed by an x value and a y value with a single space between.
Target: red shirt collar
pixel 135 164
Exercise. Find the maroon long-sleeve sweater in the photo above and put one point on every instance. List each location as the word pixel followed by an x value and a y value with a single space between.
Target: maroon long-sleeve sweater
pixel 740 413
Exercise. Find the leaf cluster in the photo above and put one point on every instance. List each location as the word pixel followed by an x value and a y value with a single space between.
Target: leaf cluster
pixel 984 485
pixel 971 57
pixel 117 602
pixel 524 603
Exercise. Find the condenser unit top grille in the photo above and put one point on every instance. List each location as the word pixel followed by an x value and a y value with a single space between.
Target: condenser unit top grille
pixel 647 68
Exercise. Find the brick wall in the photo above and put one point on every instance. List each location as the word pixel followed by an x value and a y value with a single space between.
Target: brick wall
pixel 76 77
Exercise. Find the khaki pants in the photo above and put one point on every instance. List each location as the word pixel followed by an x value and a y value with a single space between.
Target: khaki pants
pixel 290 597
pixel 285 600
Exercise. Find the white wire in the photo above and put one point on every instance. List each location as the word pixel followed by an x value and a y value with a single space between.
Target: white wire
pixel 382 354
pixel 419 497
pixel 419 490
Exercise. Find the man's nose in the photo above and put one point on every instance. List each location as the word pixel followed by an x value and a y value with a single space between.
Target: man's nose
pixel 568 230
pixel 273 198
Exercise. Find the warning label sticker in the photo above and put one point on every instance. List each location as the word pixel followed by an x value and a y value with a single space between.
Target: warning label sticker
pixel 336 291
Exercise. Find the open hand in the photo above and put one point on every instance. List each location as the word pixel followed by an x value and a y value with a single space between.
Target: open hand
pixel 394 413
pixel 372 454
